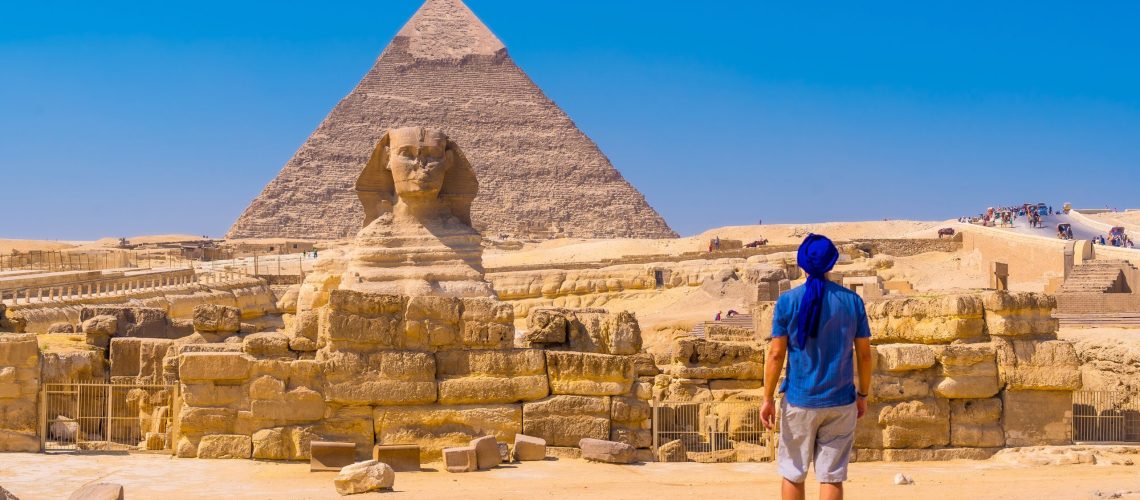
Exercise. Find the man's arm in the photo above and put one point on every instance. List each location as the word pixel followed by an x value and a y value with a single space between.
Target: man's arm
pixel 773 365
pixel 863 357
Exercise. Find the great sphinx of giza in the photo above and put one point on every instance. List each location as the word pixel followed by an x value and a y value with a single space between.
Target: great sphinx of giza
pixel 417 239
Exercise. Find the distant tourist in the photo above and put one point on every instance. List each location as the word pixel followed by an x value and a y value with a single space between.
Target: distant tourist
pixel 717 318
pixel 817 326
pixel 732 312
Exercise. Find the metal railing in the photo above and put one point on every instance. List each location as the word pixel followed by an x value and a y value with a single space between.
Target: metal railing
pixel 1106 417
pixel 105 416
pixel 714 431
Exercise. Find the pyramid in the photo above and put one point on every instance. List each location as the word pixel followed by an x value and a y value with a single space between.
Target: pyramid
pixel 538 173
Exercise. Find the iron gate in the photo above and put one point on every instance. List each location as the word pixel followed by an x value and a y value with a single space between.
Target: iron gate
pixel 1106 417
pixel 714 431
pixel 105 416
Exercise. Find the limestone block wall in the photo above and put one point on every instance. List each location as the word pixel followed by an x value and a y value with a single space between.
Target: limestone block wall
pixel 433 371
pixel 19 389
pixel 962 375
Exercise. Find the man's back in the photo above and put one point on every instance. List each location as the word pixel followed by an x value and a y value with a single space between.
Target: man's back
pixel 821 374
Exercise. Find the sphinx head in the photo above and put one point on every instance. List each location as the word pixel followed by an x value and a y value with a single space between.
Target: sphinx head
pixel 421 169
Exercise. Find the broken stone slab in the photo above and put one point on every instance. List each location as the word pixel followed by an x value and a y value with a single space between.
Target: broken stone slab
pixel 225 446
pixel 565 420
pixel 460 459
pixel 401 457
pixel 97 491
pixel 673 451
pixel 216 318
pixel 486 452
pixel 610 452
pixel 331 455
pixel 363 477
pixel 529 448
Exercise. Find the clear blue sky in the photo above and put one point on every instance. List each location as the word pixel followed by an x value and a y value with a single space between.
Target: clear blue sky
pixel 127 118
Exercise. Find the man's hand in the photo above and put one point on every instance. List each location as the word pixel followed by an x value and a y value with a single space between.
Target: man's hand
pixel 860 404
pixel 768 414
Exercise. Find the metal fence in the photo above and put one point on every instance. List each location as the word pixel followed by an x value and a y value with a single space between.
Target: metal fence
pixel 1106 417
pixel 103 416
pixel 714 431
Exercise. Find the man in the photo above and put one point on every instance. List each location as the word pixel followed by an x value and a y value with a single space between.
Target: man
pixel 817 326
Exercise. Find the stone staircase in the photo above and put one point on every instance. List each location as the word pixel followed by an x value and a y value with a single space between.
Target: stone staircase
pixel 741 321
pixel 1098 276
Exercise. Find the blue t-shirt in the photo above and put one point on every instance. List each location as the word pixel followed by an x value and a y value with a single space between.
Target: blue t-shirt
pixel 822 374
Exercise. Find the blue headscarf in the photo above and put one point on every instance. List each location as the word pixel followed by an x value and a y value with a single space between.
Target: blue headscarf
pixel 817 255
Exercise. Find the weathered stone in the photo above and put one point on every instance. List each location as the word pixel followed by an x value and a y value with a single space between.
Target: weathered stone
pixel 146 322
pixel 673 451
pixel 437 427
pixel 916 424
pixel 643 363
pixel 187 448
pixel 597 450
pixel 460 459
pixel 432 321
pixel 18 441
pixel 1038 365
pixel 214 366
pixel 976 423
pixel 669 388
pixel 225 446
pixel 1037 418
pixel 487 324
pixel 486 452
pixel 267 345
pixel 271 444
pixel 97 491
pixel 381 378
pixel 216 318
pixel 299 405
pixel 589 374
pixel 200 421
pixel 105 325
pixel 489 377
pixel 938 454
pixel 968 371
pixel 904 357
pixel 19 350
pixel 267 387
pixel 529 448
pixel 602 332
pixel 363 477
pixel 1019 314
pixel 365 322
pixel 208 394
pixel 899 386
pixel 61 327
pixel 937 319
pixel 348 424
pixel 548 326
pixel 565 420
pixel 698 358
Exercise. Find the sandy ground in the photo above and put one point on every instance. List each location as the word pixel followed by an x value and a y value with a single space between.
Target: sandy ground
pixel 1130 219
pixel 33 476
pixel 7 246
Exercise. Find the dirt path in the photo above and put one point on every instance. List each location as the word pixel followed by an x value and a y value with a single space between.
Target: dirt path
pixel 32 476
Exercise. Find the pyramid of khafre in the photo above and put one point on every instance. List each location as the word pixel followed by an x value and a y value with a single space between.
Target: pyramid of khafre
pixel 446 70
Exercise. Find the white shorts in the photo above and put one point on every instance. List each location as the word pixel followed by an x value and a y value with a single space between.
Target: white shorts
pixel 822 435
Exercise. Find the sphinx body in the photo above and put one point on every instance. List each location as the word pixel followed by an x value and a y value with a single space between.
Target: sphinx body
pixel 417 239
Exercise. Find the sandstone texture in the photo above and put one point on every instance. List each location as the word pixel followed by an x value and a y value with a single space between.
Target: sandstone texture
pixel 363 477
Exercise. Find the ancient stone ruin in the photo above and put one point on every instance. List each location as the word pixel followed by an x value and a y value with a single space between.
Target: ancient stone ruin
pixel 447 71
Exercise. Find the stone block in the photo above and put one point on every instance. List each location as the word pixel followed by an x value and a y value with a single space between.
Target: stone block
pixel 268 345
pixel 460 459
pixel 330 455
pixel 487 324
pixel 899 386
pixel 548 326
pixel 146 322
pixel 491 376
pixel 599 331
pixel 363 477
pixel 968 371
pixel 905 357
pixel 214 366
pixel 1050 365
pixel 365 322
pixel 266 387
pixel 1019 314
pixel 17 441
pixel 1037 418
pixel 916 424
pixel 589 374
pixel 104 325
pixel 565 420
pixel 200 421
pixel 349 424
pixel 381 378
pixel 221 446
pixel 432 322
pixel 402 457
pixel 611 452
pixel 19 350
pixel 216 318
pixel 434 428
pixel 529 448
pixel 97 491
pixel 208 394
pixel 697 358
pixel 298 405
pixel 486 452
pixel 673 451
pixel 937 319
pixel 976 423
